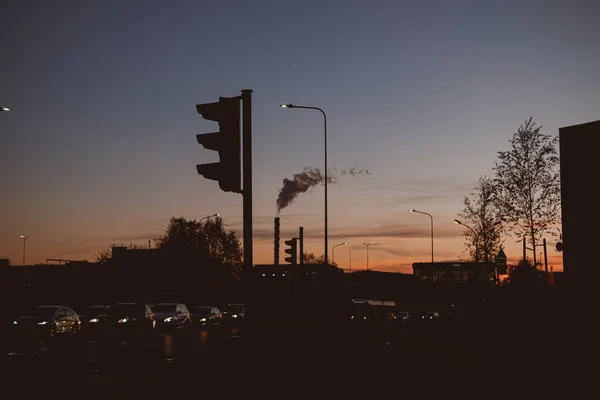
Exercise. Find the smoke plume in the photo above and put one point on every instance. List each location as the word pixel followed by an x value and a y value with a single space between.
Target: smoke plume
pixel 355 171
pixel 306 180
pixel 301 183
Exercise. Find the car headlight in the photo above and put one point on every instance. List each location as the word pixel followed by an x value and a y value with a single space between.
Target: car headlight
pixel 168 319
pixel 202 319
pixel 122 320
pixel 15 323
pixel 234 316
pixel 42 323
pixel 93 320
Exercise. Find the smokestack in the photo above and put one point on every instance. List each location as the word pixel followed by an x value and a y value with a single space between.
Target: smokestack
pixel 301 239
pixel 276 250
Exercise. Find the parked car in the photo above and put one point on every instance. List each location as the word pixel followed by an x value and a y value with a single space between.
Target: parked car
pixel 93 317
pixel 206 316
pixel 430 316
pixel 172 316
pixel 47 321
pixel 233 313
pixel 129 318
pixel 402 317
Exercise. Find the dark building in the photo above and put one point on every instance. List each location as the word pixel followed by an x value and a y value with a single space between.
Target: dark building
pixel 579 146
pixel 456 273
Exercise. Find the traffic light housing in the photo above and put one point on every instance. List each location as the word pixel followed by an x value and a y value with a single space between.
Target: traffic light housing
pixel 291 250
pixel 226 112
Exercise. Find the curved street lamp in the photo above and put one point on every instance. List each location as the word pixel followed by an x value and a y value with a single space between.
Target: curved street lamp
pixel 4 109
pixel 430 216
pixel 475 236
pixel 209 216
pixel 333 251
pixel 368 244
pixel 290 105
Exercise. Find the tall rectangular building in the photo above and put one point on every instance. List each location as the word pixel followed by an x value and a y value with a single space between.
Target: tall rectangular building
pixel 579 171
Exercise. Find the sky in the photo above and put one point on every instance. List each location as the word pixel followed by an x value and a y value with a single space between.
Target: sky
pixel 100 145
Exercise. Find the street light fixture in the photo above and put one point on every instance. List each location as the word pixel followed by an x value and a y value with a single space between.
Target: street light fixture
pixel 290 105
pixel 4 109
pixel 430 216
pixel 475 236
pixel 333 251
pixel 210 216
pixel 24 240
pixel 368 244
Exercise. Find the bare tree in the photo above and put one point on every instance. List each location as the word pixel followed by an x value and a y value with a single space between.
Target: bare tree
pixel 480 215
pixel 527 184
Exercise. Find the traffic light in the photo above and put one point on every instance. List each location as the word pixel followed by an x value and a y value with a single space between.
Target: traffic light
pixel 291 250
pixel 226 141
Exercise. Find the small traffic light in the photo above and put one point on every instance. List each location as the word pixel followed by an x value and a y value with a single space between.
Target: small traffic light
pixel 291 250
pixel 226 141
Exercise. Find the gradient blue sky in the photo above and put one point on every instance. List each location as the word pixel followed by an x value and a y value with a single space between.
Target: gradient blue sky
pixel 100 145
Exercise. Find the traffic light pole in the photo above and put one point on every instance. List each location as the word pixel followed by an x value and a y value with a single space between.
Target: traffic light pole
pixel 247 176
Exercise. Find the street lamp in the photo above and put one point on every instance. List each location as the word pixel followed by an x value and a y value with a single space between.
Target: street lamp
pixel 350 259
pixel 368 244
pixel 24 240
pixel 430 216
pixel 325 126
pixel 475 236
pixel 333 251
pixel 209 216
pixel 4 109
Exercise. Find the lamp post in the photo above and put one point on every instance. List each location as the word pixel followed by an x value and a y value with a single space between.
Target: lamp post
pixel 24 240
pixel 326 258
pixel 368 244
pixel 350 259
pixel 333 251
pixel 209 216
pixel 475 236
pixel 430 216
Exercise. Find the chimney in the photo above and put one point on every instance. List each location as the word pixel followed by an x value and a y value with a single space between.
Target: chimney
pixel 276 249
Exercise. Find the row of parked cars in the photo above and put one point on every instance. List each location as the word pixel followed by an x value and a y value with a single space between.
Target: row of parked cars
pixel 366 311
pixel 123 318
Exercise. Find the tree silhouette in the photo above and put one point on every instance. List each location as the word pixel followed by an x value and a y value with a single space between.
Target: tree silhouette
pixel 525 275
pixel 310 258
pixel 481 214
pixel 528 183
pixel 204 244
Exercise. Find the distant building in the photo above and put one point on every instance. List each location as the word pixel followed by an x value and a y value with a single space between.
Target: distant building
pixel 459 272
pixel 579 146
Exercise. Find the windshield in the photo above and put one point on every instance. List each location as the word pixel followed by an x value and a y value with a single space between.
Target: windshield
pixel 164 308
pixel 234 308
pixel 127 309
pixel 201 310
pixel 95 310
pixel 42 312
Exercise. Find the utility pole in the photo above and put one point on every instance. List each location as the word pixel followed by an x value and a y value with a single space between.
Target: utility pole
pixel 247 175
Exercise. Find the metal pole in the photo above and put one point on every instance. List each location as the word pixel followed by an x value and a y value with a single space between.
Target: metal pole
pixel 430 216
pixel 545 258
pixel 301 239
pixel 247 176
pixel 326 231
pixel 24 240
pixel 350 260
